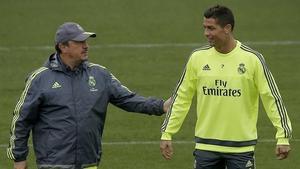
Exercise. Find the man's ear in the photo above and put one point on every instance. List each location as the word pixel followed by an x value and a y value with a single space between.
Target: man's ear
pixel 228 28
pixel 62 47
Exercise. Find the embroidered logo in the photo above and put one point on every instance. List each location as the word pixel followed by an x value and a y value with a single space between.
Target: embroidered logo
pixel 206 67
pixel 249 164
pixel 241 69
pixel 56 85
pixel 92 83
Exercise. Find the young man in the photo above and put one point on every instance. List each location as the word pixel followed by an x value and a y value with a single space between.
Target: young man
pixel 228 79
pixel 64 104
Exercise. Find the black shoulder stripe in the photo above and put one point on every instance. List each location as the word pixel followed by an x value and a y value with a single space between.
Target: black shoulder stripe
pixel 279 103
pixel 205 47
pixel 174 95
pixel 272 85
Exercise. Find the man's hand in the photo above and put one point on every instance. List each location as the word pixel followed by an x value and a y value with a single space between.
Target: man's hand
pixel 166 149
pixel 167 104
pixel 282 151
pixel 20 165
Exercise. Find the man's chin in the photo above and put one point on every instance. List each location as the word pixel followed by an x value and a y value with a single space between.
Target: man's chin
pixel 84 58
pixel 211 43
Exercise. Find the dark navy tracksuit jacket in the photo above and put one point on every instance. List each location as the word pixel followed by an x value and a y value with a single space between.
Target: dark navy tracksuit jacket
pixel 66 112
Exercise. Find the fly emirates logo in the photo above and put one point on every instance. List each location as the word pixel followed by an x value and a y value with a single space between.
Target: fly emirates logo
pixel 221 89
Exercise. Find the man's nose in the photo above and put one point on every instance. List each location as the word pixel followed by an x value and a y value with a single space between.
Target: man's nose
pixel 206 32
pixel 85 45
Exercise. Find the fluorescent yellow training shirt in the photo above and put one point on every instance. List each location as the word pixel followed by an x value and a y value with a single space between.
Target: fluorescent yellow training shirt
pixel 228 87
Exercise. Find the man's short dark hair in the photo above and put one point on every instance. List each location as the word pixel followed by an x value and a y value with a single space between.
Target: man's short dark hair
pixel 222 14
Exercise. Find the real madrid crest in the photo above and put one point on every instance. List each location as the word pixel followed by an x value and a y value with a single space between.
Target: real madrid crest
pixel 92 83
pixel 241 69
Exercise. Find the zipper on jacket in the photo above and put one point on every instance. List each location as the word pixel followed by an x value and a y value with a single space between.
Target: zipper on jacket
pixel 73 76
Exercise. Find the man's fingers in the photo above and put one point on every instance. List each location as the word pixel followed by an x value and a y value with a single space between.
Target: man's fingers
pixel 166 152
pixel 282 156
pixel 167 104
pixel 166 149
pixel 282 151
pixel 167 155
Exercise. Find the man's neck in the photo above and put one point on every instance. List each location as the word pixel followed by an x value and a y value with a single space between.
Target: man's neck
pixel 227 46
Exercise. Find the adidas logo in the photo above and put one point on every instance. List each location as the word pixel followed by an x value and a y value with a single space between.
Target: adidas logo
pixel 206 67
pixel 249 164
pixel 56 85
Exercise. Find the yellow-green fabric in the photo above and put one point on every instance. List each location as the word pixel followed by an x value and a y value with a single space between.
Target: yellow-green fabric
pixel 228 87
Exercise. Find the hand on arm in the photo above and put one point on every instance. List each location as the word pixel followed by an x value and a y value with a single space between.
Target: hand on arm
pixel 167 104
pixel 282 151
pixel 20 165
pixel 166 149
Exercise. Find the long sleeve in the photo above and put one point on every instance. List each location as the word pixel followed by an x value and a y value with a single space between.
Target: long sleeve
pixel 272 102
pixel 182 99
pixel 123 98
pixel 24 116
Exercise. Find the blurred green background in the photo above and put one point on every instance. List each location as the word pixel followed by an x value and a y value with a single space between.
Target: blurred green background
pixel 146 44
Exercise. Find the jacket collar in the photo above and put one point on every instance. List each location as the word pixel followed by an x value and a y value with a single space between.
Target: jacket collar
pixel 55 63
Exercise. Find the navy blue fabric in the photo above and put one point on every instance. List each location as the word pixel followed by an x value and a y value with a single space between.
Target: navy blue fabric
pixel 217 160
pixel 67 120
